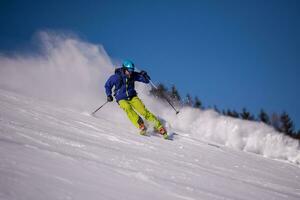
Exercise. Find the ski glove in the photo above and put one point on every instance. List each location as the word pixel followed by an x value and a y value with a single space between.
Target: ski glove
pixel 144 74
pixel 110 98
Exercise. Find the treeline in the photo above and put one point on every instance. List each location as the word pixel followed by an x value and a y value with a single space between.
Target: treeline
pixel 281 122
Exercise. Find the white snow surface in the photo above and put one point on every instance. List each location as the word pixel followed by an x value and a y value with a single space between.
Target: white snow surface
pixel 52 148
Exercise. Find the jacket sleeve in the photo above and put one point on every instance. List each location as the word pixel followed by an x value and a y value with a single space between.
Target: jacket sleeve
pixel 110 84
pixel 138 77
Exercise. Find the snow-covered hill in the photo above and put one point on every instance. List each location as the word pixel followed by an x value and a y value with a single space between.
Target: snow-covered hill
pixel 51 148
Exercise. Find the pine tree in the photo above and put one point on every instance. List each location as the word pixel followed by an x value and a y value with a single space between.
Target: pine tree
pixel 298 135
pixel 275 121
pixel 224 112
pixel 175 94
pixel 263 117
pixel 232 113
pixel 216 109
pixel 160 92
pixel 189 100
pixel 246 115
pixel 287 125
pixel 229 113
pixel 235 114
pixel 197 103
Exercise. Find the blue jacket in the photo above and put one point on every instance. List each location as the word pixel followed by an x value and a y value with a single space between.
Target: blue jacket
pixel 124 86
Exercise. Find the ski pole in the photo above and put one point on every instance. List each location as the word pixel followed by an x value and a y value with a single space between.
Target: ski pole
pixel 99 107
pixel 153 85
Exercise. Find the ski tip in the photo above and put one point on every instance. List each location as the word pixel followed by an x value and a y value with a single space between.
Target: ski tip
pixel 171 136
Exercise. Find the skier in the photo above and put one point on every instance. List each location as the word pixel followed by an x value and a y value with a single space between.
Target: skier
pixel 126 96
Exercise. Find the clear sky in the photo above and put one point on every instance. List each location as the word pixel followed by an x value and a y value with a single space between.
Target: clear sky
pixel 230 53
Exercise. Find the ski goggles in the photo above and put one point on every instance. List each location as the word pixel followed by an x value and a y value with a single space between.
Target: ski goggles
pixel 130 70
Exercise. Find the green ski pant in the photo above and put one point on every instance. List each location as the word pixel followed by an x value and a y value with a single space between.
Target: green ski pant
pixel 131 107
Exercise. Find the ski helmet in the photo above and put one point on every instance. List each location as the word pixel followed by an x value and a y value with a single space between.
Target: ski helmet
pixel 128 64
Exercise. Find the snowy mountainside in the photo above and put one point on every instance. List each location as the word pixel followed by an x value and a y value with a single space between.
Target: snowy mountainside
pixel 52 152
pixel 51 148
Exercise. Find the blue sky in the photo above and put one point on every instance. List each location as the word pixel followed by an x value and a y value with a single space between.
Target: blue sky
pixel 233 53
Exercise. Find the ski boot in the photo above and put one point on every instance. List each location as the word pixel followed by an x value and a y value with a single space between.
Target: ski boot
pixel 143 129
pixel 163 132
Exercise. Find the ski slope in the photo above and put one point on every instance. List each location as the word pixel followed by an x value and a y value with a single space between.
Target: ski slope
pixel 50 152
pixel 51 148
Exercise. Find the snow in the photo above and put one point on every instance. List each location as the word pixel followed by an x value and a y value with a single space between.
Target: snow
pixel 52 148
